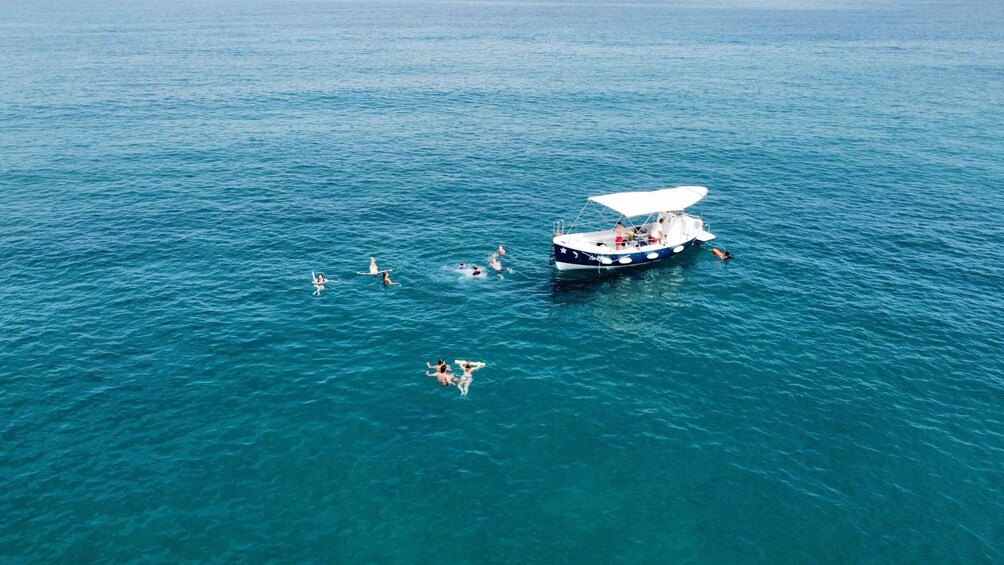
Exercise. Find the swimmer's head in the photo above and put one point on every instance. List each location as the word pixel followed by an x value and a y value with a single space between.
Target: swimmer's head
pixel 467 365
pixel 440 362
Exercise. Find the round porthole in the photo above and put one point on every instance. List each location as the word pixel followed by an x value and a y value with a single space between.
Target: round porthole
pixel 624 260
pixel 605 260
pixel 678 249
pixel 652 256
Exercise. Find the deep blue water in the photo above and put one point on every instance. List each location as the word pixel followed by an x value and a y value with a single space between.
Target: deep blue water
pixel 171 173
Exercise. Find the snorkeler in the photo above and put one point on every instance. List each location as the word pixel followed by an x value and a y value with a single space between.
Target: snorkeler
pixel 464 382
pixel 443 373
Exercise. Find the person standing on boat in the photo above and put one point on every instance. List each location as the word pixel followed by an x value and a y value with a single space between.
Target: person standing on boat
pixel 619 232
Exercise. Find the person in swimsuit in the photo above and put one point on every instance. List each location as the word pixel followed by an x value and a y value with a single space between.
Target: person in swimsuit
pixel 496 265
pixel 373 267
pixel 443 373
pixel 462 267
pixel 464 382
pixel 619 232
pixel 319 281
pixel 476 272
pixel 386 279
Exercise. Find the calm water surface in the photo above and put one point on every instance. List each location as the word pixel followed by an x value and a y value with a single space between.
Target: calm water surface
pixel 171 173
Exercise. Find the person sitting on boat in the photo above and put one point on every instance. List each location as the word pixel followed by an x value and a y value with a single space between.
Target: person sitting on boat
pixel 619 232
pixel 656 235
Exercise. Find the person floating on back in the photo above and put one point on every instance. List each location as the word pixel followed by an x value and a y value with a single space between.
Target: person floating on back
pixel 464 382
pixel 319 281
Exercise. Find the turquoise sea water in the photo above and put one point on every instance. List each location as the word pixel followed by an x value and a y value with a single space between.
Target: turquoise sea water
pixel 171 173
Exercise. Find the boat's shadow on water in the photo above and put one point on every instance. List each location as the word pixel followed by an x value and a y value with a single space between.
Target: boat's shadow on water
pixel 575 286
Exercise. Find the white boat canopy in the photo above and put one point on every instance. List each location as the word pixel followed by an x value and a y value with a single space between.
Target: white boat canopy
pixel 644 203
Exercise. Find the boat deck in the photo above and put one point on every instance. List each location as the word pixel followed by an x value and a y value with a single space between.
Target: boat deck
pixel 681 229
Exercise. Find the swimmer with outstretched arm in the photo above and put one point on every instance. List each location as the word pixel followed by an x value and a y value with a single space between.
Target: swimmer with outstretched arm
pixel 319 281
pixel 464 382
pixel 374 270
pixel 443 372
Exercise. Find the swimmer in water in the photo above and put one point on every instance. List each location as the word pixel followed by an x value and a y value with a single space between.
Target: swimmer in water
pixel 462 267
pixel 721 255
pixel 496 265
pixel 373 267
pixel 443 373
pixel 464 382
pixel 319 281
pixel 501 250
pixel 386 279
pixel 476 272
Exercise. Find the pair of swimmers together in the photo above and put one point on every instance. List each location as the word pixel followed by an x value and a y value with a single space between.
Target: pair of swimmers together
pixel 319 280
pixel 493 261
pixel 444 374
pixel 375 271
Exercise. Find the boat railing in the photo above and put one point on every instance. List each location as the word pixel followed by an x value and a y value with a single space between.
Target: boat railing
pixel 559 228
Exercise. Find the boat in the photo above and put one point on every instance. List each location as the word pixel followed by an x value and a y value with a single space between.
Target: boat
pixel 664 231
